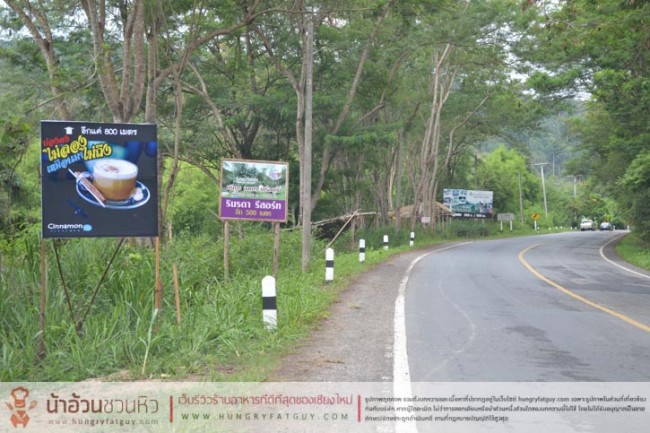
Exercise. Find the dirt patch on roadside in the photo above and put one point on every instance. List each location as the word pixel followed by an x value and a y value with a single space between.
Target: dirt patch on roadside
pixel 355 343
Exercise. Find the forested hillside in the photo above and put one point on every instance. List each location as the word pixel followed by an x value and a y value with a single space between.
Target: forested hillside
pixel 409 97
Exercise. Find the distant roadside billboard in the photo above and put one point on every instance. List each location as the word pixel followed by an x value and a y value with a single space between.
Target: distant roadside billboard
pixel 469 203
pixel 254 190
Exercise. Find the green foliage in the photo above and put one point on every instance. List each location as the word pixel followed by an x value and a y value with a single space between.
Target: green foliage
pixel 117 335
pixel 500 172
pixel 194 203
pixel 19 183
pixel 636 182
pixel 637 176
pixel 374 238
pixel 469 229
pixel 639 213
pixel 635 249
pixel 555 84
pixel 607 41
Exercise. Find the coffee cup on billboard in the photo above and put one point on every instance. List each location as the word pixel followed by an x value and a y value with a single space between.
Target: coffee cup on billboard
pixel 115 178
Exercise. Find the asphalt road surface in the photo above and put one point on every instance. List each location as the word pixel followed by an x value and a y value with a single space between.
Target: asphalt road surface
pixel 556 316
pixel 541 308
pixel 538 308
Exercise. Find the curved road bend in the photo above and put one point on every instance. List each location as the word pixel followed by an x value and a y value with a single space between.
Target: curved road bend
pixel 538 308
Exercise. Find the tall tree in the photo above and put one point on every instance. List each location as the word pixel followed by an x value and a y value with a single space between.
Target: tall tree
pixel 36 18
pixel 502 171
pixel 602 48
pixel 136 48
pixel 466 60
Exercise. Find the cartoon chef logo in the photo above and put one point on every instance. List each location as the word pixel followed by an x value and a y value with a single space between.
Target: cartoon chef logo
pixel 19 409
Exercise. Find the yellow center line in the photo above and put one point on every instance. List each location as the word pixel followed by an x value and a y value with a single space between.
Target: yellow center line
pixel 582 299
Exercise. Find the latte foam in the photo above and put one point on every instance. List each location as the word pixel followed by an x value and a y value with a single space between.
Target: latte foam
pixel 115 168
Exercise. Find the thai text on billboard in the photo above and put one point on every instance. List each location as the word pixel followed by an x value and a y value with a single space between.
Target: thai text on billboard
pixel 254 190
pixel 99 179
pixel 469 203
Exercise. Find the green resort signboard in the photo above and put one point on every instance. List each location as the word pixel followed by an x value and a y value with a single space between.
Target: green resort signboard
pixel 469 203
pixel 253 190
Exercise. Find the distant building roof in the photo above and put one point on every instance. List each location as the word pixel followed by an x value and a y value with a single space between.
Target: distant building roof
pixel 406 211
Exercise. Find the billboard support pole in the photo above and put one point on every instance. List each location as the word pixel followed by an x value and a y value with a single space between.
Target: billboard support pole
pixel 99 284
pixel 78 323
pixel 276 248
pixel 65 286
pixel 41 321
pixel 159 286
pixel 226 250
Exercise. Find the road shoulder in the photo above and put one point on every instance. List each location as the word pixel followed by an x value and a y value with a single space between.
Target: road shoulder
pixel 355 342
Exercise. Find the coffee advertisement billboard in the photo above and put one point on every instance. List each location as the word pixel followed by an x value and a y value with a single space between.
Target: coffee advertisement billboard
pixel 254 190
pixel 99 179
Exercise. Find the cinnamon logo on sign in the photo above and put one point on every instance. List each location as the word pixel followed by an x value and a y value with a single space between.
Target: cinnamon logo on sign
pixel 19 409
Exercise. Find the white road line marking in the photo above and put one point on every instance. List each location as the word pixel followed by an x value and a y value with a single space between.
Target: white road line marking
pixel 401 370
pixel 602 254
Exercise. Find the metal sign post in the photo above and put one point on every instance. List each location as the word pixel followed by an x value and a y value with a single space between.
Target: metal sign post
pixel 535 217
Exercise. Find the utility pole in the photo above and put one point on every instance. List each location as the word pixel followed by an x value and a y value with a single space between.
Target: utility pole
pixel 575 196
pixel 541 166
pixel 306 167
pixel 521 201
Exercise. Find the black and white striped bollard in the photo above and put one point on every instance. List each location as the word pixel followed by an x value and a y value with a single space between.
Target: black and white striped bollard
pixel 362 250
pixel 269 303
pixel 385 242
pixel 412 241
pixel 329 265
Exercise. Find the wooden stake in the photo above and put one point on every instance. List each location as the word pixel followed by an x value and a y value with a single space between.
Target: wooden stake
pixel 276 248
pixel 159 286
pixel 63 283
pixel 352 217
pixel 41 321
pixel 177 292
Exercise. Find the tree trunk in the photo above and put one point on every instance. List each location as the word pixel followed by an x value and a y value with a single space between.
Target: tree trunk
pixel 35 19
pixel 306 158
pixel 328 153
pixel 442 80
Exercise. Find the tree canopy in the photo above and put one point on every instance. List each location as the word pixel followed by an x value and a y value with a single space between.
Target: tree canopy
pixel 409 97
pixel 602 48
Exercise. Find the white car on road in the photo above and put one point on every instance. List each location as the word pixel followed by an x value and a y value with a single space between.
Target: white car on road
pixel 587 224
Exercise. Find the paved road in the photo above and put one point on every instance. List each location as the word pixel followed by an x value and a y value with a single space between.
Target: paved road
pixel 539 308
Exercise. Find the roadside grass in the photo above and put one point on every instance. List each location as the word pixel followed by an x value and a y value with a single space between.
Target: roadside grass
pixel 634 250
pixel 221 336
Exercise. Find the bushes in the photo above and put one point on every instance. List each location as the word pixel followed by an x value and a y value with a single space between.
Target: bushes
pixel 469 229
pixel 221 320
pixel 635 249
